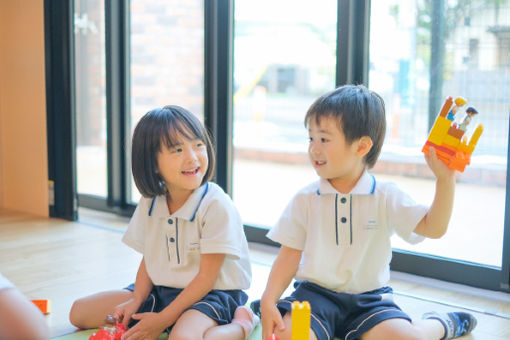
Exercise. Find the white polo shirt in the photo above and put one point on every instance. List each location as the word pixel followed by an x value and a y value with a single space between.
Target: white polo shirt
pixel 208 223
pixel 345 238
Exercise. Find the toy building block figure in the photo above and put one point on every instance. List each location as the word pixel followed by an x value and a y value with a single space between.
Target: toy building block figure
pixel 470 112
pixel 459 102
pixel 448 138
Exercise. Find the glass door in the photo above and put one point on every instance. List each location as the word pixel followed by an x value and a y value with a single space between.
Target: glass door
pixel 421 52
pixel 90 97
pixel 284 57
pixel 167 58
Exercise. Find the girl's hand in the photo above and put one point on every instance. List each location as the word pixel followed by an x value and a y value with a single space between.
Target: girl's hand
pixel 149 327
pixel 270 319
pixel 124 311
pixel 440 170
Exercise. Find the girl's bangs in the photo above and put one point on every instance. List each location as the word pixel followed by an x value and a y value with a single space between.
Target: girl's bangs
pixel 174 131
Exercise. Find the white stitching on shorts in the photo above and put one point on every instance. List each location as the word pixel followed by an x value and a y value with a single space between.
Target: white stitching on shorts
pixel 320 324
pixel 210 306
pixel 153 302
pixel 361 324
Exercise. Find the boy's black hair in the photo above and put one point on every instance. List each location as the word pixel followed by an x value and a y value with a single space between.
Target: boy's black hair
pixel 158 126
pixel 358 111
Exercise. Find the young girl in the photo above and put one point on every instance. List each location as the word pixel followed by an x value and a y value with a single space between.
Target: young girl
pixel 195 256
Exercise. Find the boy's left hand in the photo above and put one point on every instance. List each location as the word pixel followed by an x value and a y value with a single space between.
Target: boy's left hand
pixel 149 327
pixel 440 170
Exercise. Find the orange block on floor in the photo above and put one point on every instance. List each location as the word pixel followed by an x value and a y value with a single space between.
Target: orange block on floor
pixel 43 305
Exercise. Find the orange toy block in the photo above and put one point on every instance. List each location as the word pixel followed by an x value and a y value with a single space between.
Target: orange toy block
pixel 43 305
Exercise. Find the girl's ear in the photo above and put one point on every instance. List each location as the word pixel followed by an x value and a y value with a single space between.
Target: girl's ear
pixel 364 145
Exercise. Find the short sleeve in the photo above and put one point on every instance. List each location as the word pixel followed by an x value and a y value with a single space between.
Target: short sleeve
pixel 404 214
pixel 290 229
pixel 135 234
pixel 221 228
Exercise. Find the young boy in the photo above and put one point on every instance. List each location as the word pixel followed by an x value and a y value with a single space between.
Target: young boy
pixel 335 233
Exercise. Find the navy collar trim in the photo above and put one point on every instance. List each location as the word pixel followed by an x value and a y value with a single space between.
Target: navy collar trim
pixel 152 205
pixel 204 192
pixel 200 201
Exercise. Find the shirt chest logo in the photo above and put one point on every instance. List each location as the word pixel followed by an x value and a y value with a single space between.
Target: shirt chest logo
pixel 371 224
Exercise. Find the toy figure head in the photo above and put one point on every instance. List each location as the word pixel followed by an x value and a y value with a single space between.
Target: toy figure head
pixel 471 111
pixel 459 101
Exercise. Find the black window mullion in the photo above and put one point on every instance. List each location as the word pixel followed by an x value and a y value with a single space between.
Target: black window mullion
pixel 218 84
pixel 60 106
pixel 117 104
pixel 352 42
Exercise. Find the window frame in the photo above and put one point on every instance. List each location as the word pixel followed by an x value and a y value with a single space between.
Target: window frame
pixel 352 67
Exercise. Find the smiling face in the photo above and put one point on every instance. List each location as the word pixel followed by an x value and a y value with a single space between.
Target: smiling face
pixel 332 157
pixel 183 165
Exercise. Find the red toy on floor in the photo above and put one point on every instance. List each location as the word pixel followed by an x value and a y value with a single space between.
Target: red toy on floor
pixel 108 332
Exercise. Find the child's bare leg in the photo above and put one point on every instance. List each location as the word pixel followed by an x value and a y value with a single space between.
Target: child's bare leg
pixel 231 331
pixel 196 325
pixel 192 324
pixel 20 318
pixel 400 329
pixel 91 311
pixel 287 333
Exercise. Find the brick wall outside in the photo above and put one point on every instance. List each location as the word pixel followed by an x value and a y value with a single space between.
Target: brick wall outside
pixel 167 55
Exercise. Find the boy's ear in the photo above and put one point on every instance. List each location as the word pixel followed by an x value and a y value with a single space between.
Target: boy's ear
pixel 364 145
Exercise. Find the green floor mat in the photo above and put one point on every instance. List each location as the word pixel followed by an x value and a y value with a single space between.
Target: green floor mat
pixel 84 335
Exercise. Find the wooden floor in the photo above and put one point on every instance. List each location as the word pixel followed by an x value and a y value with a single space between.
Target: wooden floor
pixel 61 261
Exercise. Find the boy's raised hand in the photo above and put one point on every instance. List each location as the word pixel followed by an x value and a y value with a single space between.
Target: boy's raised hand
pixel 440 170
pixel 270 319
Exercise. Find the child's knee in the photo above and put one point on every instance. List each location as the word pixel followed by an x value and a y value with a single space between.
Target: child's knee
pixel 75 315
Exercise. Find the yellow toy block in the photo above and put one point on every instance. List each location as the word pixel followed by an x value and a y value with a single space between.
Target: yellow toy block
pixel 474 138
pixel 43 305
pixel 439 130
pixel 301 313
pixel 451 141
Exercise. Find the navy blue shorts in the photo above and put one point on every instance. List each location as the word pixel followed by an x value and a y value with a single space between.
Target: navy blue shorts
pixel 342 315
pixel 219 305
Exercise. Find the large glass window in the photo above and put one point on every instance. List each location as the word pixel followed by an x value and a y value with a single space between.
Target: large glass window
pixel 283 59
pixel 90 77
pixel 419 55
pixel 167 58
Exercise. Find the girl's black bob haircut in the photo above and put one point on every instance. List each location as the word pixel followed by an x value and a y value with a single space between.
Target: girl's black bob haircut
pixel 164 125
pixel 358 111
